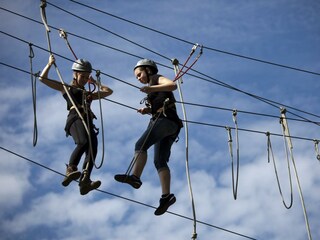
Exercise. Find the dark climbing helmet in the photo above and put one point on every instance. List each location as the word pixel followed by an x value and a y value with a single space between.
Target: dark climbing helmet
pixel 82 65
pixel 147 63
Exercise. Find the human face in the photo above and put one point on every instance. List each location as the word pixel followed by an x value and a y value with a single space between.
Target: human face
pixel 82 78
pixel 141 75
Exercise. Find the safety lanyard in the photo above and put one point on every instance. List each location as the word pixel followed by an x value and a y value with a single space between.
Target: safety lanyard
pixel 180 72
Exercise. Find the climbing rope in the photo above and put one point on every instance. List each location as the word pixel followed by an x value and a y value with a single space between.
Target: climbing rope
pixel 101 119
pixel 34 96
pixel 63 34
pixel 287 137
pixel 44 20
pixel 235 180
pixel 175 63
pixel 270 153
pixel 180 73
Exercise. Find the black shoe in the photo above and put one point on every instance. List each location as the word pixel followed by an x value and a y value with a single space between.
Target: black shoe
pixel 134 181
pixel 86 185
pixel 165 203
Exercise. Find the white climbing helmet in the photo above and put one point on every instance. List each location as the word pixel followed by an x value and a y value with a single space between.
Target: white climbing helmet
pixel 147 63
pixel 82 65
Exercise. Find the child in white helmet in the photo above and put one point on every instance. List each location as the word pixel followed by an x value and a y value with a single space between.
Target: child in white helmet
pixel 81 99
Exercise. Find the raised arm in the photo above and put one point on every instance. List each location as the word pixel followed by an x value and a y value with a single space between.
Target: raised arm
pixel 164 85
pixel 104 90
pixel 44 76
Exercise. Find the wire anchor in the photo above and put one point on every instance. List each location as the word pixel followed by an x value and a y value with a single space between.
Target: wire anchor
pixel 180 73
pixel 175 63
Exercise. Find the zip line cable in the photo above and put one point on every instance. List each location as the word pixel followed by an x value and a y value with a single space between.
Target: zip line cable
pixel 189 121
pixel 127 199
pixel 219 83
pixel 189 42
pixel 214 81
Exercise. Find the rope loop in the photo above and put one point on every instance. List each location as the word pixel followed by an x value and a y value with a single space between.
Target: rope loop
pixel 34 95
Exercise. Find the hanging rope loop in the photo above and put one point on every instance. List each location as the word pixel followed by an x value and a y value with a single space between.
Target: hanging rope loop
pixel 235 176
pixel 98 81
pixel 34 95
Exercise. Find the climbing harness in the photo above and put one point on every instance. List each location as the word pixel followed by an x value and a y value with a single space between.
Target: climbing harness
pixel 286 134
pixel 175 63
pixel 34 96
pixel 134 159
pixel 235 179
pixel 180 72
pixel 316 147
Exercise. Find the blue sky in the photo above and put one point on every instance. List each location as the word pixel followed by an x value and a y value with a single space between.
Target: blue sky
pixel 35 205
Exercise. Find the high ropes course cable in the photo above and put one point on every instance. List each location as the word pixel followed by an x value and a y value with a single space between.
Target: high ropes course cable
pixel 179 73
pixel 128 199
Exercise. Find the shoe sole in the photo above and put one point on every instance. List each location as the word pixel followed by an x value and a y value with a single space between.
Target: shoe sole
pixel 87 188
pixel 73 176
pixel 126 179
pixel 160 211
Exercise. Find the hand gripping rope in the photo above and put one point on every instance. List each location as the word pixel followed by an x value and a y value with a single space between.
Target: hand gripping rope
pixel 180 73
pixel 134 159
pixel 44 20
pixel 286 134
pixel 175 63
pixel 63 34
pixel 235 180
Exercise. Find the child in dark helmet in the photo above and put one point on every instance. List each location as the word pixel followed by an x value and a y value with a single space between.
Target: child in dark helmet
pixel 161 132
pixel 80 98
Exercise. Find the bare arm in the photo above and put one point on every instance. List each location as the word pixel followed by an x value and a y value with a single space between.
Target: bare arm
pixel 44 76
pixel 104 90
pixel 165 85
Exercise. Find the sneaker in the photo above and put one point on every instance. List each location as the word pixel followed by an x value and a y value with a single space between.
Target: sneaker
pixel 133 180
pixel 165 203
pixel 86 185
pixel 72 174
